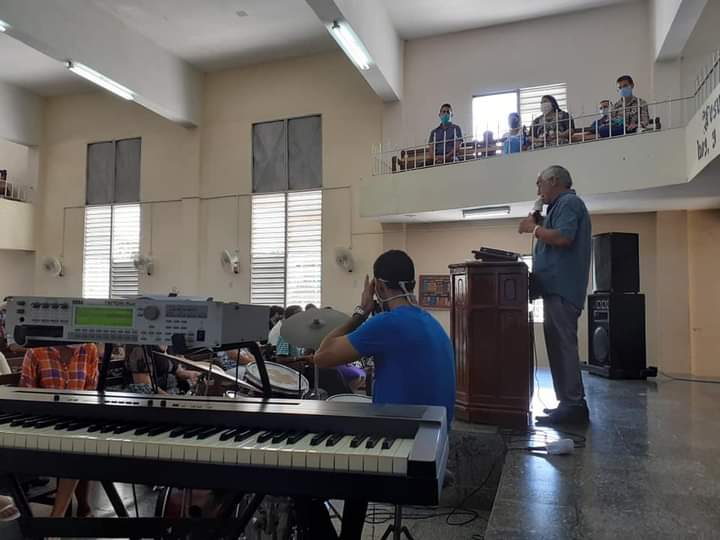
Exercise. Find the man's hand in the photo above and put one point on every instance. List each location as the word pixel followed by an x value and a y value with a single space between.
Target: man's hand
pixel 367 300
pixel 527 225
pixel 188 375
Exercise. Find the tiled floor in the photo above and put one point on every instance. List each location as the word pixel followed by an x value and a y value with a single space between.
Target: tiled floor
pixel 650 470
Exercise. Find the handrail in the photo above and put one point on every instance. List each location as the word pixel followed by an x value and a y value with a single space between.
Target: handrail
pixel 16 192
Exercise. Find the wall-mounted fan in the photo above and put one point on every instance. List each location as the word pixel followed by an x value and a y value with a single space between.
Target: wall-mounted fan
pixel 230 261
pixel 344 259
pixel 144 262
pixel 53 266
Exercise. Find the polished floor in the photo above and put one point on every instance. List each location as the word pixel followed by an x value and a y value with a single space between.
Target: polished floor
pixel 649 469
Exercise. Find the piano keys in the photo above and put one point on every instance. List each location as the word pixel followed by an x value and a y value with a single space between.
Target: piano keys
pixel 282 447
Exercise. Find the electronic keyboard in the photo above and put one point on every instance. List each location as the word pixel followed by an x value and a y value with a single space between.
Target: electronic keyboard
pixel 384 453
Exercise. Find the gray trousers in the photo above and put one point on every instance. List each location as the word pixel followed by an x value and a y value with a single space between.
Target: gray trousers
pixel 560 326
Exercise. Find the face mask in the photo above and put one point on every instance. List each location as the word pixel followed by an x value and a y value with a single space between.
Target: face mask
pixel 445 118
pixel 604 111
pixel 383 302
pixel 546 108
pixel 626 91
pixel 514 122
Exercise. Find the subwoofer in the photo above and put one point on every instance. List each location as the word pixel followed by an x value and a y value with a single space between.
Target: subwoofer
pixel 616 262
pixel 616 335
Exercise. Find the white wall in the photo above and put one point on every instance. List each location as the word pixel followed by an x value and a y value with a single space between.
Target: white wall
pixel 20 115
pixel 16 273
pixel 587 50
pixel 663 14
pixel 20 161
pixel 17 222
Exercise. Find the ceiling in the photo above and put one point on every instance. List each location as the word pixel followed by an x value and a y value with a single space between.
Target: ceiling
pixel 421 18
pixel 27 68
pixel 218 34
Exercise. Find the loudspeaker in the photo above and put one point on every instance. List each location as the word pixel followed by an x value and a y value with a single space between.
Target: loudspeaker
pixel 616 335
pixel 616 262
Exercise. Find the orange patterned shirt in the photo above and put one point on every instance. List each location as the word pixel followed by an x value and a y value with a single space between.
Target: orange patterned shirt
pixel 44 367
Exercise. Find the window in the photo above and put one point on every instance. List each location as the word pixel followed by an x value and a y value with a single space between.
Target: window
pixel 529 99
pixel 112 238
pixel 286 248
pixel 490 113
pixel 536 306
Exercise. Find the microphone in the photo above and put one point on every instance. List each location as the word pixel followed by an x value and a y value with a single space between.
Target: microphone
pixel 537 210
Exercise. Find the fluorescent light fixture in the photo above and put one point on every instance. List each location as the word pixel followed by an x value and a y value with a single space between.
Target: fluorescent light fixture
pixel 4 27
pixel 351 44
pixel 486 212
pixel 100 79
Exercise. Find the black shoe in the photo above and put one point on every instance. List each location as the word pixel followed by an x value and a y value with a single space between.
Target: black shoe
pixel 577 415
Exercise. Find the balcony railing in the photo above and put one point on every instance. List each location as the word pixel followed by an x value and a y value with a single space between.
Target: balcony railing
pixel 16 192
pixel 560 132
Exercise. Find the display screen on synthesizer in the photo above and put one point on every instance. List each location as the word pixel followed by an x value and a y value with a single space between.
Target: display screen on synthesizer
pixel 94 316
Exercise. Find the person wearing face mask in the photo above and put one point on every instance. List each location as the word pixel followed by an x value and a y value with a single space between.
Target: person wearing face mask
pixel 553 126
pixel 515 138
pixel 625 110
pixel 413 355
pixel 600 128
pixel 446 138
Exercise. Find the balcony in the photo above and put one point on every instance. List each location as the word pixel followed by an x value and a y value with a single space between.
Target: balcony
pixel 614 170
pixel 17 216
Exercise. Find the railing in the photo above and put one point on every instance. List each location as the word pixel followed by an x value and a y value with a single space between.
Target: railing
pixel 16 192
pixel 559 132
pixel 706 81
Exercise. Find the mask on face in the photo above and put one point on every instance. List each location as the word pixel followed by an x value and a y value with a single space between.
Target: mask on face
pixel 514 122
pixel 445 118
pixel 625 91
pixel 546 107
pixel 604 111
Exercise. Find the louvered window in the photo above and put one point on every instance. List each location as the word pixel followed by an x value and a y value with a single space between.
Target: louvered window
pixel 530 100
pixel 286 266
pixel 112 238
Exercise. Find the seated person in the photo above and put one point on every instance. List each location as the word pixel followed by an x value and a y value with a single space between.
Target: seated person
pixel 601 127
pixel 625 109
pixel 553 126
pixel 487 145
pixel 514 140
pixel 66 367
pixel 276 315
pixel 166 372
pixel 413 355
pixel 283 349
pixel 446 138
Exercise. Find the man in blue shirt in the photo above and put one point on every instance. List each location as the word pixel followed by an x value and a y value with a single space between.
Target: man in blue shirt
pixel 561 265
pixel 414 360
pixel 446 138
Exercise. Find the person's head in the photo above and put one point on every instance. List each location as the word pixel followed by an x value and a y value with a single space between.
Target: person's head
pixel 548 104
pixel 514 120
pixel 604 107
pixel 276 313
pixel 394 274
pixel 308 307
pixel 553 181
pixel 625 86
pixel 292 310
pixel 445 113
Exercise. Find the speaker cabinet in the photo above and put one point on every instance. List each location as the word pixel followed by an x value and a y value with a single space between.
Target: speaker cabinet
pixel 616 262
pixel 616 335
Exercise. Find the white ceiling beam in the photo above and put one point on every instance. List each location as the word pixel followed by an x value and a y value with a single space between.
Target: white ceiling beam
pixel 372 25
pixel 78 30
pixel 20 115
pixel 674 22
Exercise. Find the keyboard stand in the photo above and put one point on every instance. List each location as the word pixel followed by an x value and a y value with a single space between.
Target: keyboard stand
pixel 397 529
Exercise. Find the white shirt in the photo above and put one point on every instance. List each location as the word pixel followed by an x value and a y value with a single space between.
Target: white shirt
pixel 274 334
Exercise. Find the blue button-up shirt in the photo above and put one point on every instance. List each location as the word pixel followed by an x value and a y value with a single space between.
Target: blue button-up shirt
pixel 564 271
pixel 444 138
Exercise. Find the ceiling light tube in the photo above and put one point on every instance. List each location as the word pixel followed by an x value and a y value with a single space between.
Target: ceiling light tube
pixel 4 27
pixel 351 45
pixel 486 212
pixel 100 79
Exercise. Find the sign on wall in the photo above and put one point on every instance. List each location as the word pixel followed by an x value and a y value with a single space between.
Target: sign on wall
pixel 703 135
pixel 434 291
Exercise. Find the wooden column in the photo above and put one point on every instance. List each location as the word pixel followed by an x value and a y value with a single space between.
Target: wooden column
pixel 492 337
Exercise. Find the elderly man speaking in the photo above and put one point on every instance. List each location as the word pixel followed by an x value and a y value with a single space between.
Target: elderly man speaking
pixel 561 264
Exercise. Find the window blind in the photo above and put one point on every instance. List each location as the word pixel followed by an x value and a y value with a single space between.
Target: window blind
pixel 530 100
pixel 96 252
pixel 267 251
pixel 124 278
pixel 304 248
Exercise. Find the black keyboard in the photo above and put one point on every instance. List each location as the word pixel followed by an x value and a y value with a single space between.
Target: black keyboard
pixel 384 453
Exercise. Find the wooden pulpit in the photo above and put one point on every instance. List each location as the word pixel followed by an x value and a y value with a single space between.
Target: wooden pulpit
pixel 492 337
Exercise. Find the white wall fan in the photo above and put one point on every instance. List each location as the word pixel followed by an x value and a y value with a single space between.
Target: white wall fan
pixel 344 259
pixel 144 262
pixel 53 266
pixel 230 261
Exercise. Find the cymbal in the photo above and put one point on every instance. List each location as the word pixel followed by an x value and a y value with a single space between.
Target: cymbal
pixel 309 328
